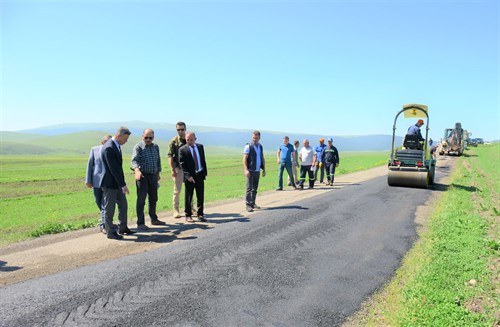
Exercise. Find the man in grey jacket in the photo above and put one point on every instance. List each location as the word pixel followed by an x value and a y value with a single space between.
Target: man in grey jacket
pixel 94 176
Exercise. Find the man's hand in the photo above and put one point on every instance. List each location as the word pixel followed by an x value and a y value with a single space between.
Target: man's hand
pixel 89 185
pixel 263 173
pixel 125 190
pixel 158 177
pixel 247 173
pixel 336 165
pixel 174 173
pixel 138 174
pixel 190 179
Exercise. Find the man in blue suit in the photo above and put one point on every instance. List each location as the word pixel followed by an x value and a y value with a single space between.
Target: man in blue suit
pixel 94 176
pixel 114 187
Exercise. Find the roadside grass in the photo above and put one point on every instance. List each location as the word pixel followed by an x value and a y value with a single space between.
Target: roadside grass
pixel 451 276
pixel 46 194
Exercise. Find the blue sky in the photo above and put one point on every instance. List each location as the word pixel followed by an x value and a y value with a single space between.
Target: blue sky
pixel 322 67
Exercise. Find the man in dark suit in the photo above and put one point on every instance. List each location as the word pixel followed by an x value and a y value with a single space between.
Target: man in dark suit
pixel 113 184
pixel 192 161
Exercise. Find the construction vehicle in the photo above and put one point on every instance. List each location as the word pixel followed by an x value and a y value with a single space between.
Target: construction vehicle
pixel 412 165
pixel 454 140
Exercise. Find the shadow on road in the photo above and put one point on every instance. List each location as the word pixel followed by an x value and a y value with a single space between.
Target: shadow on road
pixel 5 268
pixel 286 207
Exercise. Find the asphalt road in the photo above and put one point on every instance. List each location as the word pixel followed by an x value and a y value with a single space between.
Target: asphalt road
pixel 307 264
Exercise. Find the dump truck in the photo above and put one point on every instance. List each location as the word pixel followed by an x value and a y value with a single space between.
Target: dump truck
pixel 411 165
pixel 453 142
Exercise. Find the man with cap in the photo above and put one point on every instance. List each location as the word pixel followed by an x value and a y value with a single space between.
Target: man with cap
pixel 320 164
pixel 330 156
pixel 415 130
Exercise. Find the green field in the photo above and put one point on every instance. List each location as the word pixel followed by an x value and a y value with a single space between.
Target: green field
pixel 46 193
pixel 450 277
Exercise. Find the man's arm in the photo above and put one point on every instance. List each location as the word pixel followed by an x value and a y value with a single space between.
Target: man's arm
pixel 135 164
pixel 90 169
pixel 278 156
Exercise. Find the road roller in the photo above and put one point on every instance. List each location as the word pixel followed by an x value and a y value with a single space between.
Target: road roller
pixel 411 165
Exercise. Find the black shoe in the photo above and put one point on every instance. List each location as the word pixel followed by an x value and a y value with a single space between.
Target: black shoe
pixel 249 209
pixel 126 231
pixel 279 189
pixel 254 206
pixel 157 222
pixel 114 236
pixel 202 219
pixel 289 184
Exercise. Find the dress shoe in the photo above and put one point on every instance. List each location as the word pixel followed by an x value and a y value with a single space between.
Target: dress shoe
pixel 189 219
pixel 202 219
pixel 102 229
pixel 255 206
pixel 142 227
pixel 177 215
pixel 157 222
pixel 279 189
pixel 114 236
pixel 126 231
pixel 249 209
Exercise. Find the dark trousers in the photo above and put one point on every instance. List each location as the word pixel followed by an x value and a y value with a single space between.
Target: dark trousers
pixel 190 188
pixel 330 171
pixel 252 186
pixel 99 200
pixel 147 186
pixel 113 197
pixel 321 171
pixel 306 170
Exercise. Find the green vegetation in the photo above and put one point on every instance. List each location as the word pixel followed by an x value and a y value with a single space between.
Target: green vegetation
pixel 46 194
pixel 450 277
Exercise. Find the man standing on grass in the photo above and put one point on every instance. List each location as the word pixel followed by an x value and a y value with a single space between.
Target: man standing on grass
pixel 285 156
pixel 94 176
pixel 114 187
pixel 146 164
pixel 253 162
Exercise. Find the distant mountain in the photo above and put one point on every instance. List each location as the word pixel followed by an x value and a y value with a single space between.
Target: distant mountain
pixel 79 138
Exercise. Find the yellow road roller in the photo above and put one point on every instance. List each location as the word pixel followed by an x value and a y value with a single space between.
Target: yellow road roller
pixel 411 165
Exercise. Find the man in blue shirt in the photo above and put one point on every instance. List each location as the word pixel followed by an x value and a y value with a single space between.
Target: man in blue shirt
pixel 320 164
pixel 415 130
pixel 285 155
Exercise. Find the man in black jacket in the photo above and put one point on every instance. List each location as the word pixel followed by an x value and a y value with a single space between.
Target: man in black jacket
pixel 194 166
pixel 330 157
pixel 113 184
pixel 253 162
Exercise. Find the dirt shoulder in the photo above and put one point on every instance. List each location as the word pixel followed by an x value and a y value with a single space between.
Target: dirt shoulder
pixel 55 253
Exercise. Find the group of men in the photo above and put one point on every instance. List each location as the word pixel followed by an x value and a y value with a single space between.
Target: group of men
pixel 105 175
pixel 312 161
pixel 188 166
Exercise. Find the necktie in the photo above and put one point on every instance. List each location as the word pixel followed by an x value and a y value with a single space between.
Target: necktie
pixel 196 163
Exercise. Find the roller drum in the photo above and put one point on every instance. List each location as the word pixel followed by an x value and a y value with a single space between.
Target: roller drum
pixel 408 178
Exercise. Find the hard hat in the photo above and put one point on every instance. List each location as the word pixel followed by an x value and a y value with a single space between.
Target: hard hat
pixel 420 121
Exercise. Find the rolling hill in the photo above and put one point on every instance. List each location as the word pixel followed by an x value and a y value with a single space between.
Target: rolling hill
pixel 79 138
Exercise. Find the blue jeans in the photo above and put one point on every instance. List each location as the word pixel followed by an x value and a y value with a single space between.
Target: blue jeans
pixel 288 167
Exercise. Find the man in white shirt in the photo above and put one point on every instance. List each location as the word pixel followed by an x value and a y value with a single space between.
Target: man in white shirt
pixel 307 155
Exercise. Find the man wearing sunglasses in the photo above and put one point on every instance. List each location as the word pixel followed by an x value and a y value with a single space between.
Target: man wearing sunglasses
pixel 146 164
pixel 173 160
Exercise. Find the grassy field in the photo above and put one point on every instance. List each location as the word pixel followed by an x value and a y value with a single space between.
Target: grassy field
pixel 451 276
pixel 44 194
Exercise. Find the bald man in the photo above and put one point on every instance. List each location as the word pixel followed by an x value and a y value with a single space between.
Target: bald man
pixel 146 163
